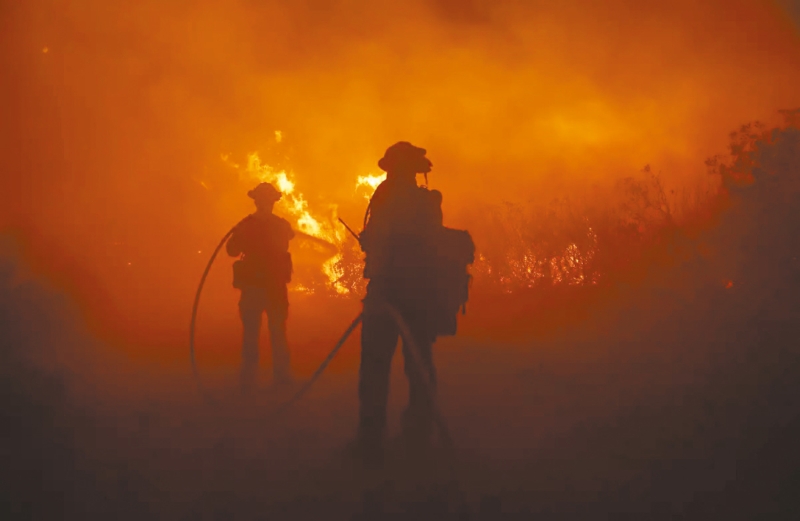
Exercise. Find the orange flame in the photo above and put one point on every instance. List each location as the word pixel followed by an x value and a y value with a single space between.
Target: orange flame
pixel 296 206
pixel 522 267
pixel 366 184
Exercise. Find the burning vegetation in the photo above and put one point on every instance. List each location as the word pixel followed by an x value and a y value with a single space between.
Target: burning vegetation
pixel 673 392
pixel 566 241
pixel 589 239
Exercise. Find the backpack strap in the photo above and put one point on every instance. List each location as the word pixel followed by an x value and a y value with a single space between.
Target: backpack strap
pixel 367 214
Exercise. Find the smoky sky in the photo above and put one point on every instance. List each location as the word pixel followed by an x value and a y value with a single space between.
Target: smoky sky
pixel 116 115
pixel 792 8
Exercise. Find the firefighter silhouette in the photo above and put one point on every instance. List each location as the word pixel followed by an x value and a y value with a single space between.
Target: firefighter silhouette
pixel 262 274
pixel 418 267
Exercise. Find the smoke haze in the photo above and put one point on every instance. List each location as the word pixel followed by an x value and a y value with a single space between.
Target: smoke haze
pixel 113 136
pixel 668 386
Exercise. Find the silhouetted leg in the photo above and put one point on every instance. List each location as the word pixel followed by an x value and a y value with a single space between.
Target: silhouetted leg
pixel 251 306
pixel 417 420
pixel 378 341
pixel 277 313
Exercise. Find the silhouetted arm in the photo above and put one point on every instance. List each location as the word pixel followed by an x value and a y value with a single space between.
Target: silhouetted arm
pixel 329 247
pixel 234 246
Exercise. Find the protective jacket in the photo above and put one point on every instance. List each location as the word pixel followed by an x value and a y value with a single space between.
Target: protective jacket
pixel 412 259
pixel 263 244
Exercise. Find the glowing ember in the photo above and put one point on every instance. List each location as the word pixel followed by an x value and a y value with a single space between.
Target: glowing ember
pixel 519 262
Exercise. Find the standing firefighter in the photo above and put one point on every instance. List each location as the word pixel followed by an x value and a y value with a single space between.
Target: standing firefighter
pixel 262 274
pixel 417 269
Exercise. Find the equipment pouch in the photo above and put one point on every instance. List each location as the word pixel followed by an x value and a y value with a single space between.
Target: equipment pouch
pixel 456 253
pixel 239 274
pixel 252 274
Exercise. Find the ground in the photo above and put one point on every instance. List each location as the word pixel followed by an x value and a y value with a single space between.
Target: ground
pixel 624 414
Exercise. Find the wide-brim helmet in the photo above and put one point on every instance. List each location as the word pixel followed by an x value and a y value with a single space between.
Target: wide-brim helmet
pixel 265 192
pixel 405 156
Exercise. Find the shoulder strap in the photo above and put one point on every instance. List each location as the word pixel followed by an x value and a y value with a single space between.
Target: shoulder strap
pixel 377 195
pixel 366 215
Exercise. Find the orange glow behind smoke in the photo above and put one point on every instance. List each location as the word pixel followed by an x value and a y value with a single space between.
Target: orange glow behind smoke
pixel 116 115
pixel 296 207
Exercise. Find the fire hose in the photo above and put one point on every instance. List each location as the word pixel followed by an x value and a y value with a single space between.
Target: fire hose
pixel 200 387
pixel 444 431
pixel 405 332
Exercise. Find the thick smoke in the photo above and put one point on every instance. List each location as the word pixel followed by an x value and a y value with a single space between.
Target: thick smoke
pixel 113 136
pixel 666 388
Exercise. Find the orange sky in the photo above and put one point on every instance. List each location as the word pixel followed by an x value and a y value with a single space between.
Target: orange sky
pixel 108 134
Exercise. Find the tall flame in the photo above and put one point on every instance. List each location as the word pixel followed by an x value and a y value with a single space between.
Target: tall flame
pixel 295 204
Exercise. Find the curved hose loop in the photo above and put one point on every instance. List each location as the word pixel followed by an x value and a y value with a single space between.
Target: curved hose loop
pixel 192 328
pixel 444 431
pixel 200 387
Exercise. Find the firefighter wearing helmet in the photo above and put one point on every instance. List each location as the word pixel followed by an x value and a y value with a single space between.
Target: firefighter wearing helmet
pixel 402 239
pixel 262 273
